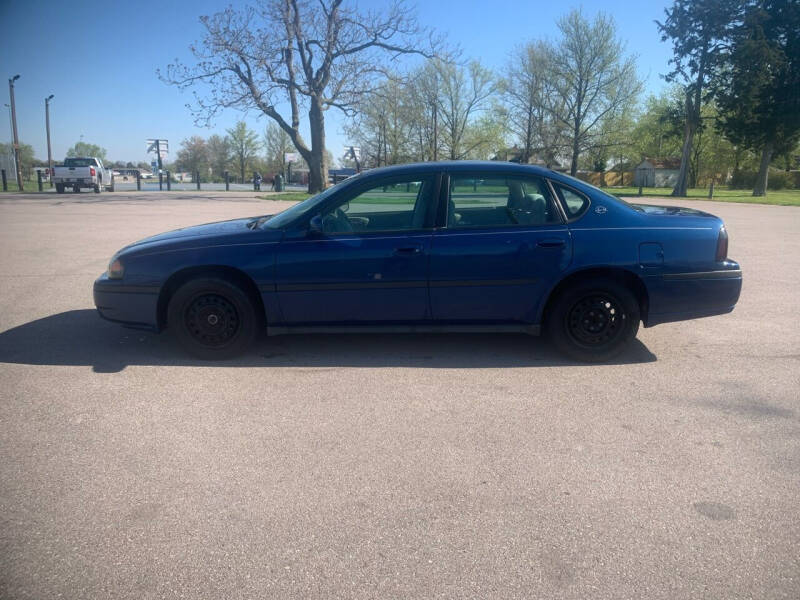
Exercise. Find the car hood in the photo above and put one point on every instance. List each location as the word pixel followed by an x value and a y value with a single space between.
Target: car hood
pixel 208 234
pixel 218 228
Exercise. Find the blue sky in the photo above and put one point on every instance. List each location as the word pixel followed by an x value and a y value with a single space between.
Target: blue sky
pixel 100 61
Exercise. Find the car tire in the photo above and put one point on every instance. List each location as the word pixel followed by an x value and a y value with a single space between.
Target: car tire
pixel 76 189
pixel 98 187
pixel 593 320
pixel 213 318
pixel 59 188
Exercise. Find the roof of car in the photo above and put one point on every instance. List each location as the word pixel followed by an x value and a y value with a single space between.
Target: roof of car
pixel 460 165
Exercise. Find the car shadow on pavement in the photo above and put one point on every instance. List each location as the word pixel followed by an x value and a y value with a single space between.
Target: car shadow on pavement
pixel 81 337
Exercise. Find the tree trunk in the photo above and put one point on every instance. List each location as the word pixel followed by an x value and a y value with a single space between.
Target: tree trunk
pixel 682 184
pixel 760 188
pixel 573 168
pixel 317 169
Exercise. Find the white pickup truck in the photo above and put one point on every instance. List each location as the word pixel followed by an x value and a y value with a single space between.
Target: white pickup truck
pixel 77 173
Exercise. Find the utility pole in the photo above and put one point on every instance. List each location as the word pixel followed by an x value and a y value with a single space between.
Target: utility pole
pixel 49 151
pixel 158 154
pixel 11 81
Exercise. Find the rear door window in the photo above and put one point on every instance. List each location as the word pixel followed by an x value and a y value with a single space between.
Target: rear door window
pixel 499 201
pixel 575 204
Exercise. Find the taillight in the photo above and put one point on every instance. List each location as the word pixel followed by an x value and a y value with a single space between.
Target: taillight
pixel 722 244
pixel 92 171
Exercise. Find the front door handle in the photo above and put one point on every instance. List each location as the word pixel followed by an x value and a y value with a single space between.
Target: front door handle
pixel 408 250
pixel 551 243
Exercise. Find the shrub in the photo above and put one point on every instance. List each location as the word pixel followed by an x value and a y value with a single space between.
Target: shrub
pixel 778 180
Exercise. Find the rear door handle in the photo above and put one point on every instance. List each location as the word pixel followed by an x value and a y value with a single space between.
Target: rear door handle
pixel 551 243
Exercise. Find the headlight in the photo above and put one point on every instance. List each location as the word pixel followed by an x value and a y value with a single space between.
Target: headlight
pixel 115 269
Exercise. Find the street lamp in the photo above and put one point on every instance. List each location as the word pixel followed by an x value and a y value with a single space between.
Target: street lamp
pixel 47 124
pixel 11 81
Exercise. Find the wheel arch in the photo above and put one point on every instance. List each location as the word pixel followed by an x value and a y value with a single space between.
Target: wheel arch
pixel 619 274
pixel 178 278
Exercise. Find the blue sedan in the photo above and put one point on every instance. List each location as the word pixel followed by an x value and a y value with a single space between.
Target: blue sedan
pixel 462 246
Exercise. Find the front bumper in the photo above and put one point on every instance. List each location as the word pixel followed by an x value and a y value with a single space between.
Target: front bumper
pixel 691 295
pixel 131 305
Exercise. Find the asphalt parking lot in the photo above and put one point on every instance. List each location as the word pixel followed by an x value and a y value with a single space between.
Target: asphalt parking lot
pixel 432 466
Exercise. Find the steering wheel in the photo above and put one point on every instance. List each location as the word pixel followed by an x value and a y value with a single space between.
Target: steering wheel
pixel 337 222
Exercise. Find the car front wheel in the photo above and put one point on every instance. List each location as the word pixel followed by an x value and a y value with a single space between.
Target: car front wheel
pixel 213 318
pixel 593 320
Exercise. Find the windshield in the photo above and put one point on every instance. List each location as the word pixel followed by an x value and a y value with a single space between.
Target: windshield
pixel 79 162
pixel 306 206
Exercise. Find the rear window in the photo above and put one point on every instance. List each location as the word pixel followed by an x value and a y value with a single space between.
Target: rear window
pixel 80 162
pixel 574 203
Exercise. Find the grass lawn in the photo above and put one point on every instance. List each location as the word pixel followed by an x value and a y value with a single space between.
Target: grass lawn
pixel 286 196
pixel 721 194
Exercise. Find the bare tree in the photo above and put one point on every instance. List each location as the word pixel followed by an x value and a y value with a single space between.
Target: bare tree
pixel 594 81
pixel 383 126
pixel 277 143
pixel 530 97
pixel 465 93
pixel 304 54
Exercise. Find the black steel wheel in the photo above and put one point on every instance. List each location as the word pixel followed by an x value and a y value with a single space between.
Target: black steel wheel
pixel 596 320
pixel 593 320
pixel 213 318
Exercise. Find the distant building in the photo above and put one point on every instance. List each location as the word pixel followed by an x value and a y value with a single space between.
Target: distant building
pixel 657 172
pixel 337 175
pixel 514 155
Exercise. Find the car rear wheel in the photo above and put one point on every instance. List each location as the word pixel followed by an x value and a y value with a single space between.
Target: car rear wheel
pixel 98 187
pixel 76 189
pixel 213 318
pixel 593 320
pixel 59 188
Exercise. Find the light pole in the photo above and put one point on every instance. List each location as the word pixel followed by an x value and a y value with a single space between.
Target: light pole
pixel 11 81
pixel 10 127
pixel 47 124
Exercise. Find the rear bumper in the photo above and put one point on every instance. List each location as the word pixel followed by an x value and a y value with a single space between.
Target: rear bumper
pixel 692 295
pixel 131 305
pixel 85 181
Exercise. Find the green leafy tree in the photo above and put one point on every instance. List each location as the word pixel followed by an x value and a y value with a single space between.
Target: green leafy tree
pixel 26 158
pixel 244 145
pixel 658 129
pixel 193 155
pixel 219 154
pixel 699 31
pixel 87 149
pixel 759 97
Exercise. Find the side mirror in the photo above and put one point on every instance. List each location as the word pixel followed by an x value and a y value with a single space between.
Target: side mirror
pixel 315 226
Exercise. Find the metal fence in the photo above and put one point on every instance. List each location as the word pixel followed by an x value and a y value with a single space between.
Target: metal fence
pixel 129 182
